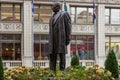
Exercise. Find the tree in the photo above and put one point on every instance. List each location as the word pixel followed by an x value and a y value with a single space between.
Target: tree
pixel 74 61
pixel 111 64
pixel 1 69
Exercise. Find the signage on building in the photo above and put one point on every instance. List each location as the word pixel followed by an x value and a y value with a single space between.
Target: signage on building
pixel 12 27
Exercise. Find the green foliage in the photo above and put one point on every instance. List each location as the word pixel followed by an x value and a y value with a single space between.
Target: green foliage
pixel 1 69
pixel 70 73
pixel 74 61
pixel 111 64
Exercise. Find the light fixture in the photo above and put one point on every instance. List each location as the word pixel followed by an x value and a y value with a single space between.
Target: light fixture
pixel 6 49
pixel 13 49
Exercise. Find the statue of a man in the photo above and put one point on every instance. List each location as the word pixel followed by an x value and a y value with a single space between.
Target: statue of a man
pixel 59 36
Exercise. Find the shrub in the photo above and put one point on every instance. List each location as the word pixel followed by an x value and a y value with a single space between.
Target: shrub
pixel 1 69
pixel 71 73
pixel 74 61
pixel 111 64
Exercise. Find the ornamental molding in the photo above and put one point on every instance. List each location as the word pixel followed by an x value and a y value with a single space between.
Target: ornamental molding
pixel 112 29
pixel 10 27
pixel 38 28
pixel 71 1
pixel 44 28
pixel 110 1
pixel 82 29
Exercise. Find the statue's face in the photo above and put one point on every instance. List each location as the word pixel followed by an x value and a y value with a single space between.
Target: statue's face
pixel 55 8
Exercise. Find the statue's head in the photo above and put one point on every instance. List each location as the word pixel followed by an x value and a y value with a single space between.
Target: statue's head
pixel 56 7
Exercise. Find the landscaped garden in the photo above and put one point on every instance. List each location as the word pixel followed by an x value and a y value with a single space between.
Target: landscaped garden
pixel 71 73
pixel 74 72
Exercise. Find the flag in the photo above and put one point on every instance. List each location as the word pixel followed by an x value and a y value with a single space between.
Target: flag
pixel 65 6
pixel 32 7
pixel 94 11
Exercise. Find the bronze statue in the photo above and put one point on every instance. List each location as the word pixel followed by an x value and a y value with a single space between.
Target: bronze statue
pixel 59 36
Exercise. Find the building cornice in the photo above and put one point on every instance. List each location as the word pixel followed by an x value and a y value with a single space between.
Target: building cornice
pixel 115 2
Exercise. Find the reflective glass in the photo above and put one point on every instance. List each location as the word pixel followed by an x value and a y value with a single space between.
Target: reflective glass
pixel 45 13
pixel 41 47
pixel 116 48
pixel 17 12
pixel 115 16
pixel 10 12
pixel 83 46
pixel 7 37
pixel 81 15
pixel 107 16
pixel 7 12
pixel 72 13
pixel 36 12
pixel 10 47
pixel 90 15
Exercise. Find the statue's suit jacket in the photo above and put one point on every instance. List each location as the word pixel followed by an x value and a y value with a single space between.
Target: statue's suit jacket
pixel 59 32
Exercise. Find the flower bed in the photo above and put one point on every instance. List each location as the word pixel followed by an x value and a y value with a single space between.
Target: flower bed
pixel 71 73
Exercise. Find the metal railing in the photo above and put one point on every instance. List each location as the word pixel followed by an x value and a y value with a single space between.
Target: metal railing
pixel 44 63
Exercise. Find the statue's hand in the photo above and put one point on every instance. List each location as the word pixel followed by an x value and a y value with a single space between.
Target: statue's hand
pixel 67 43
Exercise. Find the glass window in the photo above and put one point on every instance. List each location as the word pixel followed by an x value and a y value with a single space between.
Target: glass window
pixel 115 16
pixel 81 15
pixel 42 13
pixel 7 12
pixel 7 37
pixel 107 16
pixel 113 43
pixel 10 47
pixel 45 13
pixel 83 46
pixel 72 14
pixel 41 47
pixel 90 15
pixel 17 12
pixel 10 12
pixel 36 13
pixel 112 16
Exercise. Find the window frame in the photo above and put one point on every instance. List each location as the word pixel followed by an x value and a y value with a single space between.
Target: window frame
pixel 13 12
pixel 110 16
pixel 39 6
pixel 87 42
pixel 87 8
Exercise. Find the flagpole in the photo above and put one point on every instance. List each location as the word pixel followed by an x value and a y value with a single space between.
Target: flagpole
pixel 95 33
pixel 32 32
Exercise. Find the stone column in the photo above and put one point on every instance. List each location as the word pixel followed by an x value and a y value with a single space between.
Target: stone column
pixel 101 35
pixel 28 35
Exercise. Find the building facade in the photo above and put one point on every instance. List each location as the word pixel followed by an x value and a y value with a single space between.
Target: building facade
pixel 24 38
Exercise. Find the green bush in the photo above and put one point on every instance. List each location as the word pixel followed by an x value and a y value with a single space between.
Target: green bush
pixel 1 69
pixel 74 61
pixel 111 64
pixel 71 73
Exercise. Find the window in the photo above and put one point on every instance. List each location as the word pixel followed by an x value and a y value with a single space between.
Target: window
pixel 113 42
pixel 81 15
pixel 10 12
pixel 10 46
pixel 107 16
pixel 40 47
pixel 112 16
pixel 83 46
pixel 42 13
